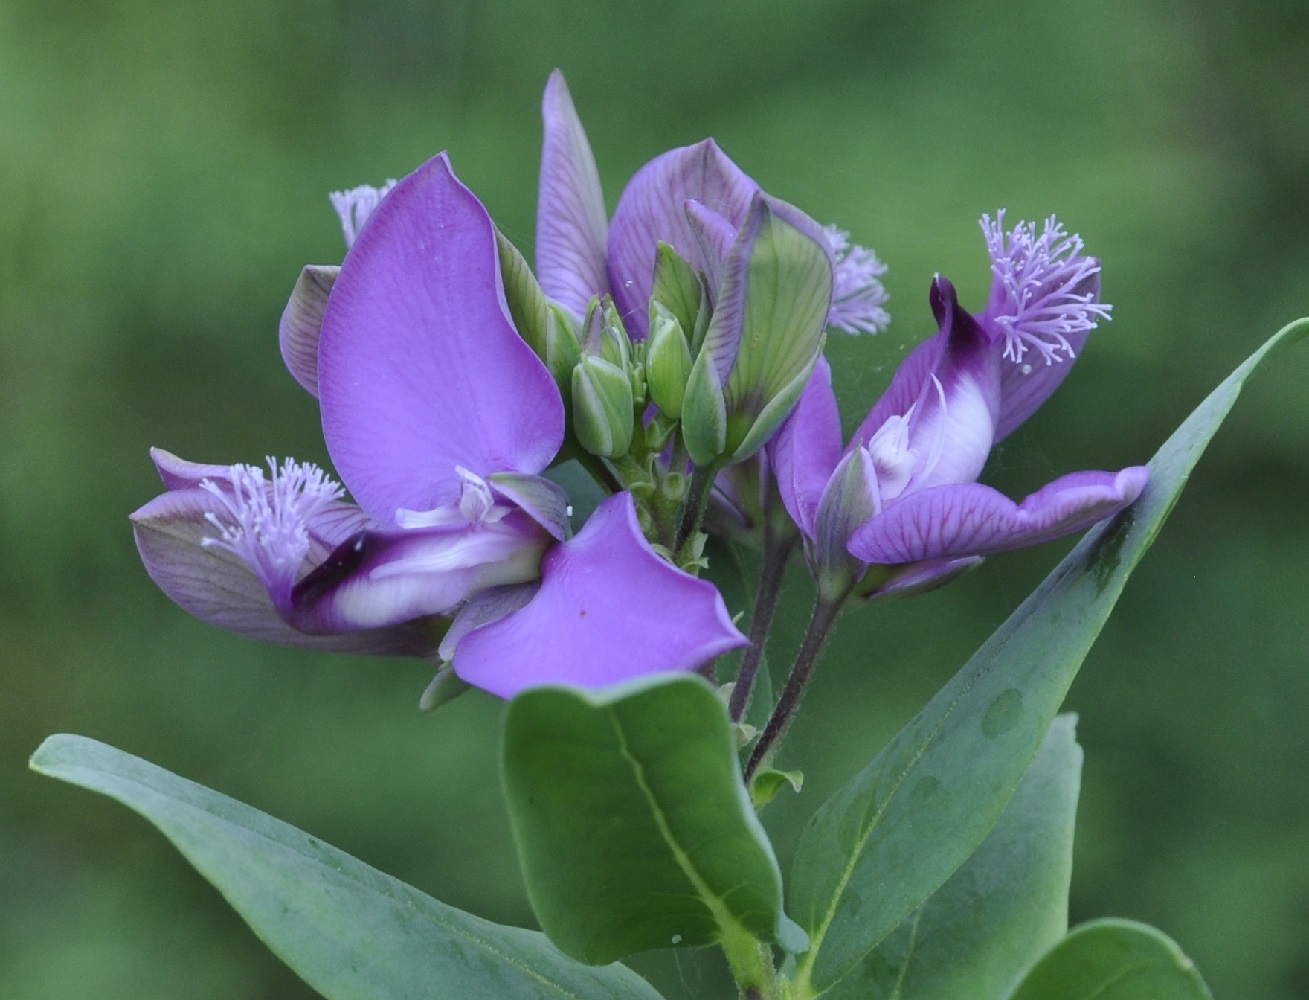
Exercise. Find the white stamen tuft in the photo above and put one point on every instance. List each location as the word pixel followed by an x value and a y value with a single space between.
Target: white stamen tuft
pixel 355 206
pixel 858 297
pixel 266 522
pixel 1044 290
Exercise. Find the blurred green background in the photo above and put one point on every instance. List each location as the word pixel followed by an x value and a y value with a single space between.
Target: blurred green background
pixel 163 175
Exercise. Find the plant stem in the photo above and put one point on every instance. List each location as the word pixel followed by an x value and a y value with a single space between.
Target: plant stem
pixel 697 500
pixel 821 626
pixel 772 567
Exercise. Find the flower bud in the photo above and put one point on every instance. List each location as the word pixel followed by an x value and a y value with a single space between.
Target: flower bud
pixel 704 413
pixel 561 344
pixel 667 361
pixel 603 407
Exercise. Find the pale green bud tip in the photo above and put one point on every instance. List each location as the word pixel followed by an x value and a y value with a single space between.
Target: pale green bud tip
pixel 667 364
pixel 704 414
pixel 603 407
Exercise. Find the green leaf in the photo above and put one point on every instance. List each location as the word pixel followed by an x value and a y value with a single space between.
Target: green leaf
pixel 1113 960
pixel 1002 909
pixel 897 830
pixel 352 932
pixel 633 827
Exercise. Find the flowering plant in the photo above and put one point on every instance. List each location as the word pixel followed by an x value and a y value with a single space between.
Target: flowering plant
pixel 557 473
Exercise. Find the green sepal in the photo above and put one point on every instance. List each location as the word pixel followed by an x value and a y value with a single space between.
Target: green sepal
pixel 776 410
pixel 528 305
pixel 446 686
pixel 769 319
pixel 633 827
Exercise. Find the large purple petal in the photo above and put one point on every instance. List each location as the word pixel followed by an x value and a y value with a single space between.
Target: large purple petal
pixel 807 448
pixel 609 609
pixel 570 211
pixel 653 208
pixel 219 587
pixel 420 369
pixel 970 519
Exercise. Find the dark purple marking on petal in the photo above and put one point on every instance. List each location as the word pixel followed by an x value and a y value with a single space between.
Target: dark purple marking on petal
pixel 218 587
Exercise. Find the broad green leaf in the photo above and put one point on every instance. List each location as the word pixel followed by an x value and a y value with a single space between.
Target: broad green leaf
pixel 897 830
pixel 352 932
pixel 1001 910
pixel 1113 960
pixel 633 827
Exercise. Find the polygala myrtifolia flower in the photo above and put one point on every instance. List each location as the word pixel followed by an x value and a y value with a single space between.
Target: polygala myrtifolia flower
pixel 439 419
pixel 898 508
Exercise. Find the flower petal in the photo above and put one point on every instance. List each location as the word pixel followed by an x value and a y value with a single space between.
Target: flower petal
pixel 653 208
pixel 218 587
pixel 420 369
pixel 807 448
pixel 969 519
pixel 570 212
pixel 953 422
pixel 1024 386
pixel 609 609
pixel 379 578
pixel 302 322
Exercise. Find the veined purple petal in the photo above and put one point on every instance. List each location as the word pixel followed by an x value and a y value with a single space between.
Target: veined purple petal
pixel 219 587
pixel 970 519
pixel 807 448
pixel 420 370
pixel 570 213
pixel 302 322
pixel 715 236
pixel 609 609
pixel 653 208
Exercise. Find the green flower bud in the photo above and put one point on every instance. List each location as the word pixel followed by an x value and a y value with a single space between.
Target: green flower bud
pixel 677 290
pixel 704 413
pixel 615 345
pixel 603 408
pixel 667 361
pixel 562 346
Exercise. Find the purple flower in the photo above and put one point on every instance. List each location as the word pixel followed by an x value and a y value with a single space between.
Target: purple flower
pixel 693 198
pixel 439 419
pixel 902 494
